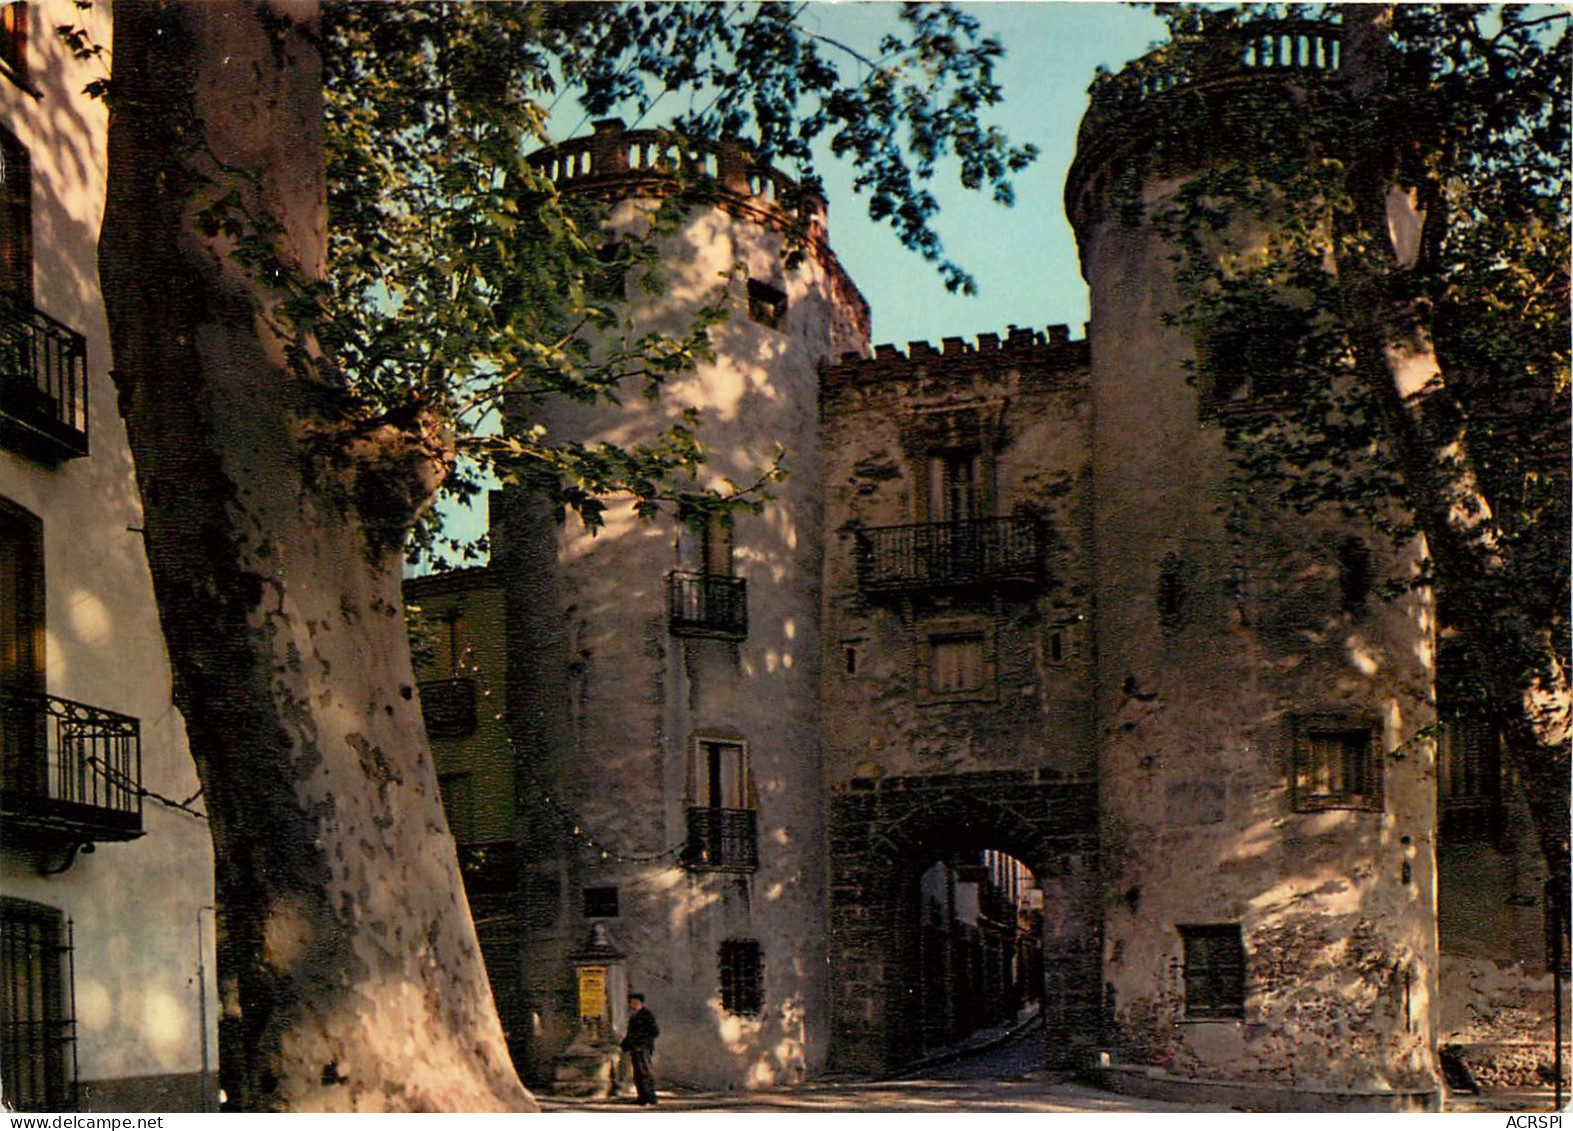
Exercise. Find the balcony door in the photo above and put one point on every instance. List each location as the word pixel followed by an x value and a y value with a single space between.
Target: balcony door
pixel 953 487
pixel 951 550
pixel 721 824
pixel 21 649
pixel 16 222
pixel 723 776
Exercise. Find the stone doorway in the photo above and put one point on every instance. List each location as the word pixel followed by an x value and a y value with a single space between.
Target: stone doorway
pixel 886 838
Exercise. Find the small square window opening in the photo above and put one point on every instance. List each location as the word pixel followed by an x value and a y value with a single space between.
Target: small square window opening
pixel 1336 767
pixel 600 903
pixel 767 305
pixel 956 664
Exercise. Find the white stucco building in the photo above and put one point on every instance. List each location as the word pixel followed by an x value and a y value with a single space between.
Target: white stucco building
pixel 106 931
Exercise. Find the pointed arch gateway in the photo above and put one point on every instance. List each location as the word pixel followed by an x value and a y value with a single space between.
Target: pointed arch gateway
pixel 885 834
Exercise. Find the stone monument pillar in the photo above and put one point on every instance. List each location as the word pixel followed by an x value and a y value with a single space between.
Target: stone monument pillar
pixel 588 1066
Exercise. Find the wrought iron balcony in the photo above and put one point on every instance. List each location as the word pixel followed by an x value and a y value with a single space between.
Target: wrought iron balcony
pixel 707 604
pixel 448 706
pixel 945 555
pixel 71 773
pixel 721 839
pixel 43 384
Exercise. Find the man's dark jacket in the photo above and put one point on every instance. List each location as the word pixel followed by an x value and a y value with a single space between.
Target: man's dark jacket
pixel 642 1031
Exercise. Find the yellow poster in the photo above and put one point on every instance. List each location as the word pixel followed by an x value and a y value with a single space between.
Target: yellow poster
pixel 592 991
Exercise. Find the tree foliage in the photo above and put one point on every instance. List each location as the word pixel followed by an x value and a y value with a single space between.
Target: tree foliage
pixel 1406 255
pixel 460 278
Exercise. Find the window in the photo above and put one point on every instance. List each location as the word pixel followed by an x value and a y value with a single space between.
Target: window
pixel 16 222
pixel 721 820
pixel 1336 766
pixel 742 977
pixel 955 660
pixel 716 549
pixel 1354 574
pixel 607 280
pixel 21 650
pixel 37 1027
pixel 956 665
pixel 953 487
pixel 1469 781
pixel 448 707
pixel 1252 358
pixel 1170 596
pixel 720 779
pixel 1214 971
pixel 767 305
pixel 600 903
pixel 13 41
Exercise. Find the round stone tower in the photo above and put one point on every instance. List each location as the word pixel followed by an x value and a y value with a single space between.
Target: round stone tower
pixel 1267 798
pixel 663 679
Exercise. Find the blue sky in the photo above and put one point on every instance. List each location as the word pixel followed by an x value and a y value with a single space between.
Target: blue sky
pixel 1024 258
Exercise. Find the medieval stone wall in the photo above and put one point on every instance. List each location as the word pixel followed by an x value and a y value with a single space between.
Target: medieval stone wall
pixel 934 460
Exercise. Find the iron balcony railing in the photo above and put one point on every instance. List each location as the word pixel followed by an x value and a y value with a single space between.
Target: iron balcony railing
pixel 707 604
pixel 43 384
pixel 448 706
pixel 723 839
pixel 70 772
pixel 939 555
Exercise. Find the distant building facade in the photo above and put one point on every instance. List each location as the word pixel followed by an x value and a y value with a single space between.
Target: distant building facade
pixel 1014 694
pixel 107 991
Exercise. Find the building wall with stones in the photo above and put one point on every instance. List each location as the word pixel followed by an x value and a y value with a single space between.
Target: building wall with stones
pixel 958 663
pixel 1267 783
pixel 667 675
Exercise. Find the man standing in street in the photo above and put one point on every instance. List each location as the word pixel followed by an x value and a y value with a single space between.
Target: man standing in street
pixel 639 1044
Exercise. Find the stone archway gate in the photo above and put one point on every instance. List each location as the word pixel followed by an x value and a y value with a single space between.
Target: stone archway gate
pixel 883 833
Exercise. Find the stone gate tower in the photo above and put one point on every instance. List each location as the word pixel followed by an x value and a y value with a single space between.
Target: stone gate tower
pixel 1267 804
pixel 663 677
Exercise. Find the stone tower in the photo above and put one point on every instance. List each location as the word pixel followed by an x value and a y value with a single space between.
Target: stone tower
pixel 663 682
pixel 1266 799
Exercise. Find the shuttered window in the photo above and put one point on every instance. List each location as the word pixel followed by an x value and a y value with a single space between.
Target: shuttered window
pixel 1214 970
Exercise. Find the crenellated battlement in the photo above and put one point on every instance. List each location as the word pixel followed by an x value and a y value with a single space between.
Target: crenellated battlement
pixel 1052 347
pixel 617 162
pixel 1190 88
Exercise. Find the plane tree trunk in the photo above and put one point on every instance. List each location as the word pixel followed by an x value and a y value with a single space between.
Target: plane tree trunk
pixel 276 508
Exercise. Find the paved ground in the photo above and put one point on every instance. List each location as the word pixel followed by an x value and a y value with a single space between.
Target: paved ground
pixel 994 1071
pixel 1005 1077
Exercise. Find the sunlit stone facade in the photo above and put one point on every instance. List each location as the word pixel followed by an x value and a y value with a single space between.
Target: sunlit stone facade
pixel 665 676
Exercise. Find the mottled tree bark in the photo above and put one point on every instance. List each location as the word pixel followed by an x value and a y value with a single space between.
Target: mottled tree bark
pixel 275 514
